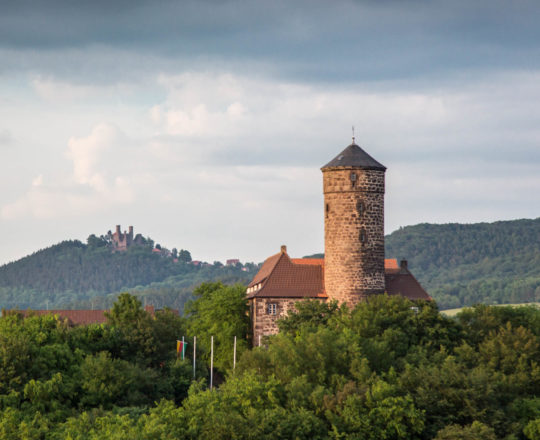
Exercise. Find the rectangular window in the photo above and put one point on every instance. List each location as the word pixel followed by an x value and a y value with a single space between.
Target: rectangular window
pixel 272 309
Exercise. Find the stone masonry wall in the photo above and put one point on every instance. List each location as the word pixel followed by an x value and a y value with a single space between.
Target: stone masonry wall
pixel 265 324
pixel 353 234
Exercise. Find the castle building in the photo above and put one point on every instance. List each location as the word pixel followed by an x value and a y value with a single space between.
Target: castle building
pixel 121 241
pixel 354 265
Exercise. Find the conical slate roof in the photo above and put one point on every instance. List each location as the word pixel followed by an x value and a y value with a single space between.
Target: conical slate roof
pixel 354 156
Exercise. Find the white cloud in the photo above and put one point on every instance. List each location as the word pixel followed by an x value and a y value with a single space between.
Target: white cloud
pixel 226 164
pixel 205 105
pixel 253 121
pixel 5 137
pixel 450 153
pixel 63 92
pixel 38 180
pixel 92 187
pixel 87 152
pixel 42 202
pixel 53 90
pixel 156 114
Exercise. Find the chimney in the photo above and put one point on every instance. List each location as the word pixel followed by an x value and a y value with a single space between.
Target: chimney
pixel 131 230
pixel 118 229
pixel 283 249
pixel 403 265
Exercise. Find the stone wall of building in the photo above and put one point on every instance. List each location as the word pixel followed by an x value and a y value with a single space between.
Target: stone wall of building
pixel 353 233
pixel 264 323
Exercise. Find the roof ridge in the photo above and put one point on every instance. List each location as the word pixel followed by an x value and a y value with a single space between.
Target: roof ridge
pixel 308 261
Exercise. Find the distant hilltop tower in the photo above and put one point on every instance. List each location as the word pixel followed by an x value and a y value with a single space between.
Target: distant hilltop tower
pixel 121 242
pixel 353 185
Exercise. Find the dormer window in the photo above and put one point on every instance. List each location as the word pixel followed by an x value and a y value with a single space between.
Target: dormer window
pixel 254 288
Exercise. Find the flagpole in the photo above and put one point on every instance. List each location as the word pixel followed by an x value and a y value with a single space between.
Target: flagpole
pixel 211 361
pixel 234 355
pixel 183 348
pixel 194 354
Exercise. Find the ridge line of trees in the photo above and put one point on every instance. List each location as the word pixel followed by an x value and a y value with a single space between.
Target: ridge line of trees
pixel 383 370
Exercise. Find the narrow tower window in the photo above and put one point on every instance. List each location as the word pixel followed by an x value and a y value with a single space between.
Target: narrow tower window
pixel 353 178
pixel 363 236
pixel 360 208
pixel 327 209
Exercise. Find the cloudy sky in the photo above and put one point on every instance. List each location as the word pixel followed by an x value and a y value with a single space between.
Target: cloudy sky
pixel 204 124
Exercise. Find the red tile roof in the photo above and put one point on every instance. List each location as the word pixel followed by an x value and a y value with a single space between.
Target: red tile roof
pixel 79 317
pixel 265 270
pixel 280 277
pixel 313 261
pixel 402 282
pixel 76 317
pixel 390 263
pixel 283 277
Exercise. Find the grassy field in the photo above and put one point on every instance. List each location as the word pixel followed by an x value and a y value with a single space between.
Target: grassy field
pixel 454 312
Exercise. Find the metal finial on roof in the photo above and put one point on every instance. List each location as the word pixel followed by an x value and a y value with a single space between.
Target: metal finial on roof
pixel 353 134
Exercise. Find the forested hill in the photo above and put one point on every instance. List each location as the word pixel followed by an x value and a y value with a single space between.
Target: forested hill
pixel 463 264
pixel 74 274
pixel 458 264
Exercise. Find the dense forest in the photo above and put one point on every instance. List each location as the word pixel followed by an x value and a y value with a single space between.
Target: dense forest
pixel 388 369
pixel 72 274
pixel 459 265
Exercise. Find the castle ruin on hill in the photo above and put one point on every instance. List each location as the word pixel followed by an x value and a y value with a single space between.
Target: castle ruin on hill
pixel 120 242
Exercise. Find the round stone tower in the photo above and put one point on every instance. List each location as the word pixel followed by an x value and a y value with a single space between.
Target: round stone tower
pixel 353 185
